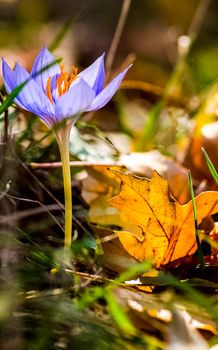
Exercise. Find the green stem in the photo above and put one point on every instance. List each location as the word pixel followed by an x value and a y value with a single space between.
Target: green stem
pixel 200 252
pixel 150 127
pixel 63 143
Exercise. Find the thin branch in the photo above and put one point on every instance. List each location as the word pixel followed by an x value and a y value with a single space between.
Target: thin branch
pixel 39 182
pixel 74 164
pixel 48 165
pixel 198 19
pixel 117 36
pixel 154 90
pixel 9 219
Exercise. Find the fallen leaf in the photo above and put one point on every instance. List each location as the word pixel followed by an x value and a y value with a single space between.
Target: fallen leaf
pixel 99 179
pixel 143 164
pixel 165 229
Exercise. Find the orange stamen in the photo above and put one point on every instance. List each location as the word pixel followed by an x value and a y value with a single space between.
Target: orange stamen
pixel 48 90
pixel 65 80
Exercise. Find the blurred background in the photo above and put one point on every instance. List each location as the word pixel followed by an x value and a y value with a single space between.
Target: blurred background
pixel 171 89
pixel 151 32
pixel 167 106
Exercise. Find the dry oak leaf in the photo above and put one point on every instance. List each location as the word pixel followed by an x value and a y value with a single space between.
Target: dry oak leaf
pixel 165 229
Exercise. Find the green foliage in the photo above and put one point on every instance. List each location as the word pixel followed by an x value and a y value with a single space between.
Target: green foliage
pixel 200 252
pixel 61 34
pixel 210 166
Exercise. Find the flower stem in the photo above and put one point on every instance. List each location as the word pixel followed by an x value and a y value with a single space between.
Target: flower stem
pixel 65 159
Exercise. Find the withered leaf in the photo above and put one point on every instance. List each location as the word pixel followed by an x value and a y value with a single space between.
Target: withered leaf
pixel 167 231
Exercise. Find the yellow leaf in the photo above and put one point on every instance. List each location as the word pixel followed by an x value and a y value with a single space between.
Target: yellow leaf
pixel 165 228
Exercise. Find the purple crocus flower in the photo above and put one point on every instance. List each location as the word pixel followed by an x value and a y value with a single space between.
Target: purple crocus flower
pixel 54 95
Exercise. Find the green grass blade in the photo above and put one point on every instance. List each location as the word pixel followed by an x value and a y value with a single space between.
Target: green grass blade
pixel 197 297
pixel 149 128
pixel 61 34
pixel 134 270
pixel 210 166
pixel 10 98
pixel 200 252
pixel 118 314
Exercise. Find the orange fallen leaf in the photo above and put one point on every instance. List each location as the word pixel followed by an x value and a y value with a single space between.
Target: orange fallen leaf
pixel 165 229
pixel 143 164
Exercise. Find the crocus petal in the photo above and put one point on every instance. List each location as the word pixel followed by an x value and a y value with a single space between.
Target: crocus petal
pixel 54 88
pixel 107 93
pixel 10 82
pixel 8 76
pixel 43 59
pixel 94 74
pixel 30 97
pixel 75 101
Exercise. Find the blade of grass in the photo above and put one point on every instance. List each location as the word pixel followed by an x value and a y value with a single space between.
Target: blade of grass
pixel 5 118
pixel 134 270
pixel 61 34
pixel 192 294
pixel 210 166
pixel 193 282
pixel 118 314
pixel 200 252
pixel 10 98
pixel 99 134
pixel 209 240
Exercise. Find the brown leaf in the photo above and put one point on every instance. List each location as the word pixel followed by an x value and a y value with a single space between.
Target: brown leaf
pixel 143 164
pixel 166 228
